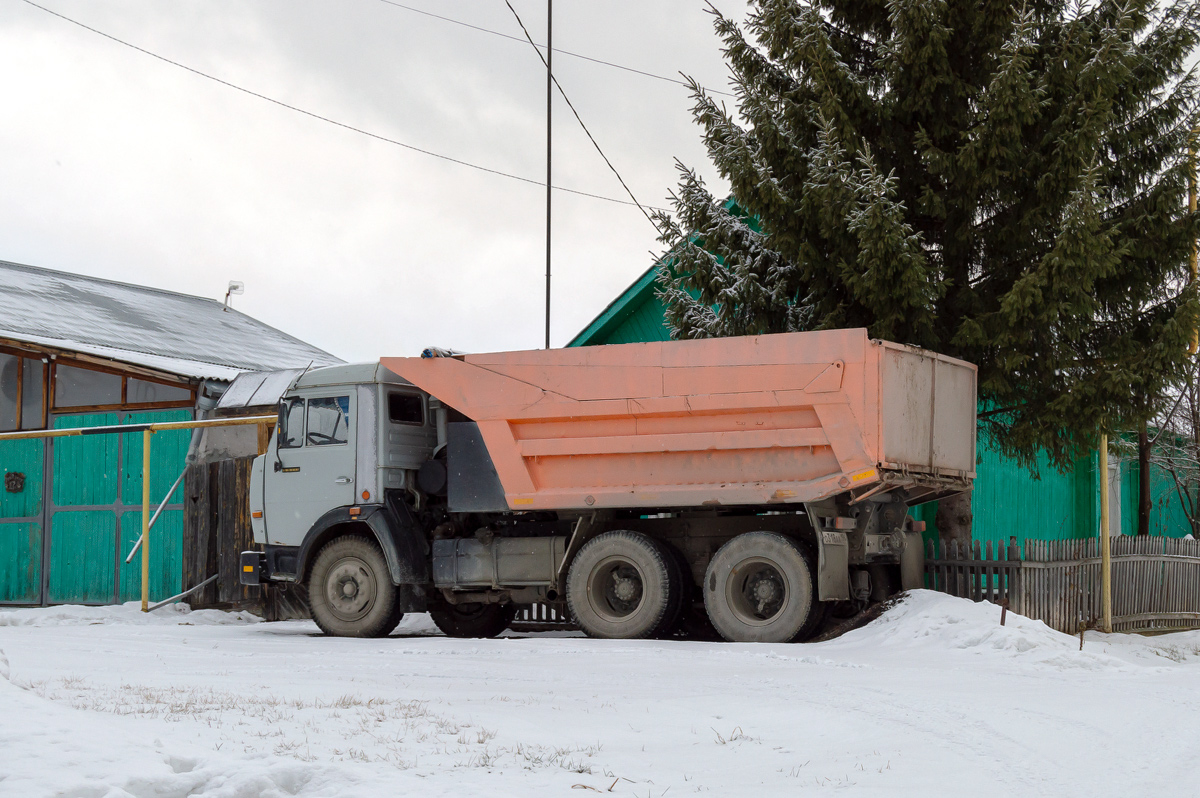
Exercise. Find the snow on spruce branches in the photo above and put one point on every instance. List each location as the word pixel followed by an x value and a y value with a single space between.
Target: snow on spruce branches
pixel 1000 182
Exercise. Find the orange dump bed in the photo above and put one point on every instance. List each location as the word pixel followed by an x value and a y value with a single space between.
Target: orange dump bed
pixel 733 421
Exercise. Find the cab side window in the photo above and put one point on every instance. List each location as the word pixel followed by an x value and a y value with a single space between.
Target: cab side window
pixel 405 408
pixel 291 423
pixel 328 420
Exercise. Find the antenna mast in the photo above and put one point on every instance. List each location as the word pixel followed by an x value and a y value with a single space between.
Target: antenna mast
pixel 549 105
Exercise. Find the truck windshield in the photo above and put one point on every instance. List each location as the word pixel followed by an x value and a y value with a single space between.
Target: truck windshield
pixel 291 423
pixel 328 420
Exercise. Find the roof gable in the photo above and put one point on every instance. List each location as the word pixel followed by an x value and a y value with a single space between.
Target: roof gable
pixel 631 301
pixel 637 314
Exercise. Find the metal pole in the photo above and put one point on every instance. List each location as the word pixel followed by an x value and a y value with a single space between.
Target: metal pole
pixel 1105 542
pixel 129 429
pixel 146 434
pixel 1192 210
pixel 185 593
pixel 549 107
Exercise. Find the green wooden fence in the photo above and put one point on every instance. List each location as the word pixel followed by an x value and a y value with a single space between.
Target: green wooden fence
pixel 68 544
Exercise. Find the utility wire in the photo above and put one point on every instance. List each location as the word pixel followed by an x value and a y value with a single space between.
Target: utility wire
pixel 561 52
pixel 343 125
pixel 577 117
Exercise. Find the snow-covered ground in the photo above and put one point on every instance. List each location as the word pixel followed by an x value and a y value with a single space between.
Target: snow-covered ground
pixel 934 698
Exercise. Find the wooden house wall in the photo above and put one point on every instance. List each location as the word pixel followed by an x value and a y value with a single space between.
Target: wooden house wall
pixel 217 520
pixel 70 508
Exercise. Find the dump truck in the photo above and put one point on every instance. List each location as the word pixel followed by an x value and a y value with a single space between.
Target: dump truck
pixel 750 483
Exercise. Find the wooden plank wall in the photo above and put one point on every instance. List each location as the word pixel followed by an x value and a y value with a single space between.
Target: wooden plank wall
pixel 199 528
pixel 216 531
pixel 233 530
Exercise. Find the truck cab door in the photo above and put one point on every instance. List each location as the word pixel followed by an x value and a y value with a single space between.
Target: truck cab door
pixel 311 463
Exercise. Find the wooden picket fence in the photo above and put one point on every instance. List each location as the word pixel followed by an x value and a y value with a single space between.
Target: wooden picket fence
pixel 1155 580
pixel 982 573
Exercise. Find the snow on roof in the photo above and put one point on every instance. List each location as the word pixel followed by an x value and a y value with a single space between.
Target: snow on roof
pixel 175 333
pixel 257 388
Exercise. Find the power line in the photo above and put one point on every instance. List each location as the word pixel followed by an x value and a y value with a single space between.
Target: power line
pixel 561 52
pixel 343 125
pixel 570 105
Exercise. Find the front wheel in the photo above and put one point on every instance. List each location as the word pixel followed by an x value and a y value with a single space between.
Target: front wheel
pixel 350 590
pixel 473 619
pixel 759 589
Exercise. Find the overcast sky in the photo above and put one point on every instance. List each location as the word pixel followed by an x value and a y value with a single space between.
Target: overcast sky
pixel 118 165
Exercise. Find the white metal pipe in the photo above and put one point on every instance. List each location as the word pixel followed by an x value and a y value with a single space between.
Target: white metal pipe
pixel 154 517
pixel 187 592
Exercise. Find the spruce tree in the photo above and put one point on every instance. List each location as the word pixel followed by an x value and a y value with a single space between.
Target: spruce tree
pixel 1000 182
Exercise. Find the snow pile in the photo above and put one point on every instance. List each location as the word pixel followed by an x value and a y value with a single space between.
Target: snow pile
pixel 936 625
pixel 416 623
pixel 128 613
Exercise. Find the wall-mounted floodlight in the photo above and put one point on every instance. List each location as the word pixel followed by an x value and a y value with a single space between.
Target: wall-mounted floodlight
pixel 235 287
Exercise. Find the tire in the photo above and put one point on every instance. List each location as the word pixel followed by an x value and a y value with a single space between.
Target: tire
pixel 472 619
pixel 350 589
pixel 621 585
pixel 817 617
pixel 759 589
pixel 695 625
pixel 821 610
pixel 397 616
pixel 681 576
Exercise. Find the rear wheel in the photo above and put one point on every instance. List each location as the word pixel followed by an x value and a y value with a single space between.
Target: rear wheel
pixel 623 585
pixel 680 575
pixel 473 619
pixel 695 625
pixel 821 610
pixel 817 617
pixel 350 589
pixel 759 588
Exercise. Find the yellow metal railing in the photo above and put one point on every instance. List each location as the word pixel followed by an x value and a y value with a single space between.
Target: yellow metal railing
pixel 147 431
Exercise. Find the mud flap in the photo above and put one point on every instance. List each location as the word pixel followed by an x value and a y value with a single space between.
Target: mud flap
pixel 912 562
pixel 833 566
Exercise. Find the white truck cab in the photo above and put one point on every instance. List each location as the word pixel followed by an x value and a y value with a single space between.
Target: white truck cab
pixel 348 439
pixel 346 435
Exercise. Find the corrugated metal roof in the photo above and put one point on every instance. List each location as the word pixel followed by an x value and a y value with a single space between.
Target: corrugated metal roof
pixel 257 388
pixel 177 333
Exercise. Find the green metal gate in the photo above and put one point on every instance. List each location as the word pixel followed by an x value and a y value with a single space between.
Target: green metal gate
pixel 21 521
pixel 68 544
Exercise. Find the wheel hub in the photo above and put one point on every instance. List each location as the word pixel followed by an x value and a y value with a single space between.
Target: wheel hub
pixel 765 591
pixel 624 589
pixel 350 589
pixel 757 591
pixel 616 588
